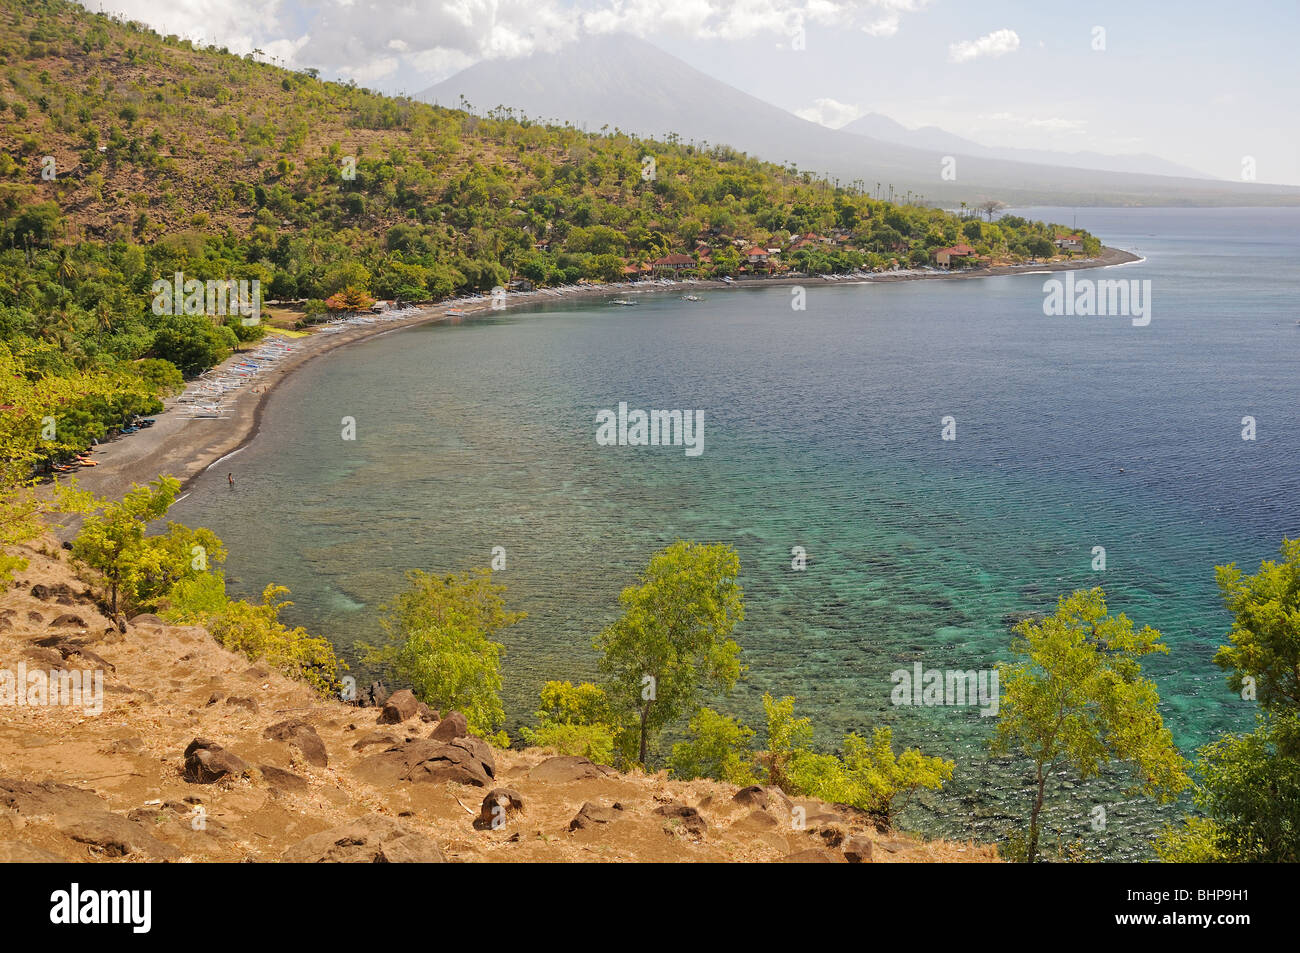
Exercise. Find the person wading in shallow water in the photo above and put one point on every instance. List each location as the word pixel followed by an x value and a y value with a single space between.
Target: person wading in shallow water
pixel 231 478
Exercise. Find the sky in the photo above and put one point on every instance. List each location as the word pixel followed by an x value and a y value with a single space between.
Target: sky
pixel 1208 84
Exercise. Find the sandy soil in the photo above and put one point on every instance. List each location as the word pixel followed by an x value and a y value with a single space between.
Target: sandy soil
pixel 110 785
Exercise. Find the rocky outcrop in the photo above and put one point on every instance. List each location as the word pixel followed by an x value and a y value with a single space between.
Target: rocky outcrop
pixel 206 762
pixel 499 805
pixel 302 736
pixel 274 771
pixel 372 839
pixel 111 835
pixel 467 760
pixel 594 817
pixel 564 769
pixel 451 727
pixel 857 850
pixel 400 706
pixel 682 817
pixel 764 798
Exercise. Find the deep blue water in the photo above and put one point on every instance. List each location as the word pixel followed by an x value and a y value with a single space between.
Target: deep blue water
pixel 822 430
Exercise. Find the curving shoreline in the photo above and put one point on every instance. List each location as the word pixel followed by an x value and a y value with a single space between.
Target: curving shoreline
pixel 185 448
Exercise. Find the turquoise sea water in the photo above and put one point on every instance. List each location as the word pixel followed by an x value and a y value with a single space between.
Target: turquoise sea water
pixel 822 430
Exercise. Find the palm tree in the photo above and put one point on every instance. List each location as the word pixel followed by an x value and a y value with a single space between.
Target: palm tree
pixel 65 268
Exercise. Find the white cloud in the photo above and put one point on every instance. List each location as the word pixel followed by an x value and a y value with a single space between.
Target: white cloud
pixel 370 71
pixel 885 26
pixel 830 112
pixel 373 39
pixel 888 24
pixel 735 19
pixel 228 23
pixel 998 43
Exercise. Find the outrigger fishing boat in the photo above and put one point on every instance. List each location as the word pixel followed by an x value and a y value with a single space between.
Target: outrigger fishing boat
pixel 624 302
pixel 691 298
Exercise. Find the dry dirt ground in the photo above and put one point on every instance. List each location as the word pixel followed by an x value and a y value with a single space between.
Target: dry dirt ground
pixel 117 786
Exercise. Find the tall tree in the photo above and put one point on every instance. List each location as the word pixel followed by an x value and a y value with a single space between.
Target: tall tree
pixel 1078 700
pixel 672 640
pixel 112 539
pixel 1249 784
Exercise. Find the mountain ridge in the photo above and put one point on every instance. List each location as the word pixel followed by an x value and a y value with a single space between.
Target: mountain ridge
pixel 886 129
pixel 627 83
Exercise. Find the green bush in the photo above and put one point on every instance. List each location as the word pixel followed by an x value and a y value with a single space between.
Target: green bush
pixel 440 630
pixel 866 775
pixel 719 748
pixel 573 720
pixel 256 630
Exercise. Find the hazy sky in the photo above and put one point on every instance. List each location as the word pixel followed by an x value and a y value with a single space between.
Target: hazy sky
pixel 1201 82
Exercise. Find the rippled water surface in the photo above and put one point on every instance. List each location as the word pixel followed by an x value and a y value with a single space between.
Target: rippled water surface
pixel 822 430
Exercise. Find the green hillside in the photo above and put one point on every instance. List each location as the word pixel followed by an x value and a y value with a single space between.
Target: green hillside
pixel 126 157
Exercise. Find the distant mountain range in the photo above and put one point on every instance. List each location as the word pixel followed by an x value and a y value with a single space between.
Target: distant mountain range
pixel 884 129
pixel 624 82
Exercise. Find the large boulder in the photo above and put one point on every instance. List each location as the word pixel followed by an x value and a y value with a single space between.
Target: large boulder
pixel 37 798
pixel 282 780
pixel 594 817
pixel 682 817
pixel 302 736
pixel 400 706
pixel 372 839
pixel 466 760
pixel 498 805
pixel 112 835
pixel 763 798
pixel 451 727
pixel 858 850
pixel 206 762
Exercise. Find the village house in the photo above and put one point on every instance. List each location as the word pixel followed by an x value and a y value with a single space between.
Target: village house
pixel 673 264
pixel 957 254
pixel 1069 242
pixel 758 260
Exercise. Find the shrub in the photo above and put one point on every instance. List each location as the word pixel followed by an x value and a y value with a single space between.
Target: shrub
pixel 573 720
pixel 866 775
pixel 441 627
pixel 256 630
pixel 719 748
